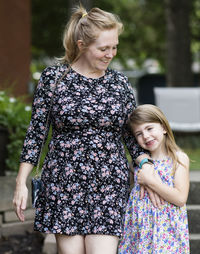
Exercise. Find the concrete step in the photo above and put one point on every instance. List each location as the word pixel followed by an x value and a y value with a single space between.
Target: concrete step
pixel 16 228
pixel 194 197
pixel 194 243
pixel 194 218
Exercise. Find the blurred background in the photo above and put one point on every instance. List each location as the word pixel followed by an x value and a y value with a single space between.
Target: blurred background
pixel 159 51
pixel 160 47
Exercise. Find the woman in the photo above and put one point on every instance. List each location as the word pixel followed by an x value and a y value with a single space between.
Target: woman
pixel 85 173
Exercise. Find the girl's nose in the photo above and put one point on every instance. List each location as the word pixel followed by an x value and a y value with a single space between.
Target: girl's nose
pixel 145 135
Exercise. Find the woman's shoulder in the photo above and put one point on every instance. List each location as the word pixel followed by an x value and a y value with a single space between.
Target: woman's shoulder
pixel 121 78
pixel 53 70
pixel 118 75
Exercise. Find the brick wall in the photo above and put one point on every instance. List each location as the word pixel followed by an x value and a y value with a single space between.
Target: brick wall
pixel 15 44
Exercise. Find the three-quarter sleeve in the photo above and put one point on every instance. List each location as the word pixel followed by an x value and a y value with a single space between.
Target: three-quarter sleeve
pixel 130 104
pixel 38 127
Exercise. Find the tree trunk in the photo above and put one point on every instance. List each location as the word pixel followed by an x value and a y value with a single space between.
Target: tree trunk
pixel 178 54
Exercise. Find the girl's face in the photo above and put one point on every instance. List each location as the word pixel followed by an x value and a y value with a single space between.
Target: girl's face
pixel 99 54
pixel 150 136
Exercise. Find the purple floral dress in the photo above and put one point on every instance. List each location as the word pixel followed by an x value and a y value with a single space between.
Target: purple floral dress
pixel 149 230
pixel 85 172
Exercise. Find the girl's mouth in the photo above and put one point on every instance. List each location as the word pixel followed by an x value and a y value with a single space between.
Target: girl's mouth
pixel 150 143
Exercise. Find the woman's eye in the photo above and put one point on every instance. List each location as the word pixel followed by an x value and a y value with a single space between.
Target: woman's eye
pixel 103 49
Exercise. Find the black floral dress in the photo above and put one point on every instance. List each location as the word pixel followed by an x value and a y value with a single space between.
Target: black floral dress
pixel 85 173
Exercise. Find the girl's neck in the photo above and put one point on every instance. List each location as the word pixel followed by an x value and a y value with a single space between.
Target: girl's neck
pixel 159 155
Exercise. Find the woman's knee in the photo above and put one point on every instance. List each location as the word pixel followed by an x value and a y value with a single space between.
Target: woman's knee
pixel 101 244
pixel 70 244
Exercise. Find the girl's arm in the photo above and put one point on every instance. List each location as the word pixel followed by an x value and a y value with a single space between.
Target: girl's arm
pixel 176 195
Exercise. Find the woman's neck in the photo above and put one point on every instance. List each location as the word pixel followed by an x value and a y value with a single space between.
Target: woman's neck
pixel 82 68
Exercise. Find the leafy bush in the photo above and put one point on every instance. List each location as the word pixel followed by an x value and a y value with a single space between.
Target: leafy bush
pixel 14 116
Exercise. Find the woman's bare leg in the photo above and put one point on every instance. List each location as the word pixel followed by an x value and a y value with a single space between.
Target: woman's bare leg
pixel 70 244
pixel 101 244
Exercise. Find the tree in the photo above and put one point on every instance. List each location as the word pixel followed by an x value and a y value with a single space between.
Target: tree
pixel 178 41
pixel 141 39
pixel 144 30
pixel 147 32
pixel 48 25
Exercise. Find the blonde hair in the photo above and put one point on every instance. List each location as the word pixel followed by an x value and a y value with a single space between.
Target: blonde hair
pixel 148 113
pixel 85 26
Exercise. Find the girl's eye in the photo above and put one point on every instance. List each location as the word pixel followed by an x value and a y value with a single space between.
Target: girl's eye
pixel 103 49
pixel 150 129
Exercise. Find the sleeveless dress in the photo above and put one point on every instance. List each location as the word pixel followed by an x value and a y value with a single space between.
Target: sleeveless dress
pixel 85 173
pixel 149 230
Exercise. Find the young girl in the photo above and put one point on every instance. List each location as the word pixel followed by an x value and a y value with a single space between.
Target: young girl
pixel 148 229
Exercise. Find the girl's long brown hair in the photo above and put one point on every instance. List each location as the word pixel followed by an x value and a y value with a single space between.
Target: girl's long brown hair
pixel 148 113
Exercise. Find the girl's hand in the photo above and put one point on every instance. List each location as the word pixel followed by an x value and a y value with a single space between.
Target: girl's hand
pixel 20 200
pixel 146 174
pixel 156 200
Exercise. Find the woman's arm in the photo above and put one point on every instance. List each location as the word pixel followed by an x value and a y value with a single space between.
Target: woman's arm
pixel 36 134
pixel 21 190
pixel 156 200
pixel 176 195
pixel 136 152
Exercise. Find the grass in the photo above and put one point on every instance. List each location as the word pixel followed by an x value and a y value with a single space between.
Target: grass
pixel 190 143
pixel 194 155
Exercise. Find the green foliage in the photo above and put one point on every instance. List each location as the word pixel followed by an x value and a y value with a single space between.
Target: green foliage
pixel 195 23
pixel 188 140
pixel 193 154
pixel 144 28
pixel 48 22
pixel 143 37
pixel 14 116
pixel 190 143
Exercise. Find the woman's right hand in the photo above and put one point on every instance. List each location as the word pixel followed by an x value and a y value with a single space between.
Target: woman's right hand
pixel 21 190
pixel 20 200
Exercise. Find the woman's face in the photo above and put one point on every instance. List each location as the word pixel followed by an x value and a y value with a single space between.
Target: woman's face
pixel 99 54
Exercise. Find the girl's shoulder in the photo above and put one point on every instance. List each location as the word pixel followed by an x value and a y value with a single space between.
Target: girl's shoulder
pixel 182 157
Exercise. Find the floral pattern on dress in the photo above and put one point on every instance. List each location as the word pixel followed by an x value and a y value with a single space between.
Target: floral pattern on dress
pixel 149 230
pixel 85 173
